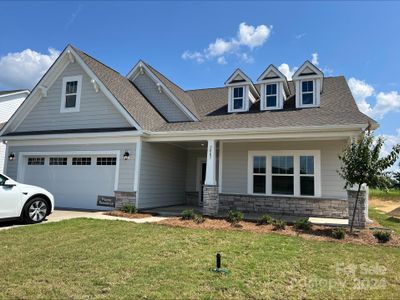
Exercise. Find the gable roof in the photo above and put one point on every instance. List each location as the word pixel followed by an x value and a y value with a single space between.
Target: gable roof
pixel 178 92
pixel 338 108
pixel 125 92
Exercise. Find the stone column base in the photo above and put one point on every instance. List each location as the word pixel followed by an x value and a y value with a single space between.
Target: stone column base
pixel 124 197
pixel 361 215
pixel 210 200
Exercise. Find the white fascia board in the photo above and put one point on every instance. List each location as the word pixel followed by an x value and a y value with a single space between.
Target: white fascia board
pixel 317 132
pixel 15 94
pixel 267 70
pixel 141 64
pixel 72 135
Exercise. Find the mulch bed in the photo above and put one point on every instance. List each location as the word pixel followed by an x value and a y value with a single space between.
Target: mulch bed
pixel 320 233
pixel 118 213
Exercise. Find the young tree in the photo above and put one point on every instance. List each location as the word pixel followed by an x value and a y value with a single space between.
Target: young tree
pixel 362 163
pixel 396 176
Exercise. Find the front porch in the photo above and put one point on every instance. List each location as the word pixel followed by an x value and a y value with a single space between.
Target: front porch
pixel 213 177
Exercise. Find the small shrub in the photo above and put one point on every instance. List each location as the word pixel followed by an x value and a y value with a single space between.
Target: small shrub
pixel 198 219
pixel 303 224
pixel 339 233
pixel 264 220
pixel 278 224
pixel 234 217
pixel 129 208
pixel 382 236
pixel 188 214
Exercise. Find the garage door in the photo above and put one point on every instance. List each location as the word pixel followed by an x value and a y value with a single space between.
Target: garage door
pixel 75 181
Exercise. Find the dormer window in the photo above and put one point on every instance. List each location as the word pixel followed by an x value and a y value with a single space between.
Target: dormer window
pixel 307 92
pixel 308 81
pixel 241 92
pixel 274 89
pixel 271 93
pixel 71 94
pixel 238 98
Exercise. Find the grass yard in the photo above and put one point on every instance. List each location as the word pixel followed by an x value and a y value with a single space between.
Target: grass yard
pixel 84 258
pixel 384 219
pixel 391 195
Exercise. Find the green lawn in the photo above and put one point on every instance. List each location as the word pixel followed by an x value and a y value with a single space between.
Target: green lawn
pixel 392 194
pixel 384 219
pixel 108 259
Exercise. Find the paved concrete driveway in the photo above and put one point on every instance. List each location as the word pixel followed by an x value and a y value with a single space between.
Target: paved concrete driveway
pixel 60 215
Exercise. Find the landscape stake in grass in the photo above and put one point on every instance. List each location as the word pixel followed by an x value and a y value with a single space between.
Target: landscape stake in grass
pixel 218 269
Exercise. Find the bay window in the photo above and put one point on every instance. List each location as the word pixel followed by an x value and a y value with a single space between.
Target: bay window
pixel 285 173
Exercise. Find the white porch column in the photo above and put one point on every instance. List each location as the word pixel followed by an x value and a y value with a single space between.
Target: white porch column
pixel 210 189
pixel 211 170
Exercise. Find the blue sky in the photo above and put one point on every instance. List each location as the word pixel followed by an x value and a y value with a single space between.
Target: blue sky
pixel 357 40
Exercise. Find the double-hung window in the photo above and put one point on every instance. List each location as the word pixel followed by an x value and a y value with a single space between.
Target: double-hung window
pixel 71 94
pixel 307 92
pixel 282 175
pixel 259 174
pixel 285 173
pixel 307 176
pixel 238 98
pixel 271 94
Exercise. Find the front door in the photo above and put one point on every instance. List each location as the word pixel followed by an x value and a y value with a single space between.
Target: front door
pixel 203 178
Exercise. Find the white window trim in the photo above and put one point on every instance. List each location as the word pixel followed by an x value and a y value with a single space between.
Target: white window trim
pixel 313 104
pixel 245 106
pixel 279 96
pixel 77 107
pixel 296 164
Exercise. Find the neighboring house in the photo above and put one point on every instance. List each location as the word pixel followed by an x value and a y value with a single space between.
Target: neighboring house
pixel 273 145
pixel 9 103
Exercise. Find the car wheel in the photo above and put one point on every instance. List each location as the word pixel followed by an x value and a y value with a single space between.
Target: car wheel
pixel 35 210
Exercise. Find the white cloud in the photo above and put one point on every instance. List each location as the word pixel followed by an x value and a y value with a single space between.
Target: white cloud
pixel 221 60
pixel 253 36
pixel 24 69
pixel 314 58
pixel 390 141
pixel 197 56
pixel 361 91
pixel 248 37
pixel 384 102
pixel 287 71
pixel 300 36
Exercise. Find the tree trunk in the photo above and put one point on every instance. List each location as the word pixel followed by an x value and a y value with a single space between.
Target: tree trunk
pixel 355 208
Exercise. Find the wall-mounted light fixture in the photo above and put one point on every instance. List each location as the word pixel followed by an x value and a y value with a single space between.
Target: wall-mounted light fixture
pixel 126 155
pixel 11 157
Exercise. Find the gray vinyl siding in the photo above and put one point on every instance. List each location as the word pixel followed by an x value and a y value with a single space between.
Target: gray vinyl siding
pixel 96 110
pixel 126 169
pixel 161 101
pixel 235 156
pixel 162 175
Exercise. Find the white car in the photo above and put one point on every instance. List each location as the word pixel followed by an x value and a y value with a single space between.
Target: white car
pixel 30 203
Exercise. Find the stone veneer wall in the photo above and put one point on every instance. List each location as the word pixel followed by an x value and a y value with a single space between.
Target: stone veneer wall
pixel 124 197
pixel 317 207
pixel 361 215
pixel 192 198
pixel 210 200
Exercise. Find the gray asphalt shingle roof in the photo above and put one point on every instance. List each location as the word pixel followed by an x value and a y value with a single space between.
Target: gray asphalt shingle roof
pixel 337 108
pixel 125 92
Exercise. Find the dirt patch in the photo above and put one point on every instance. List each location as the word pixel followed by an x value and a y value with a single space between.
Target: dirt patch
pixel 386 206
pixel 118 213
pixel 320 233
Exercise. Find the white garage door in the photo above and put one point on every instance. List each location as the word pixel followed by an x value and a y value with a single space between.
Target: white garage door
pixel 75 181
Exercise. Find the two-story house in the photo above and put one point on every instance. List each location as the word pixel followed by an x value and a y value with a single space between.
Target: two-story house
pixel 267 145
